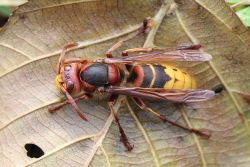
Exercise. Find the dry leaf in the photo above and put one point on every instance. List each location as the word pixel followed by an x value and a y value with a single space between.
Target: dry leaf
pixel 29 48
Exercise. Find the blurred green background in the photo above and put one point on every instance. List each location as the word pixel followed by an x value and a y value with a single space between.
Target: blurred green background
pixel 241 7
pixel 6 8
pixel 4 14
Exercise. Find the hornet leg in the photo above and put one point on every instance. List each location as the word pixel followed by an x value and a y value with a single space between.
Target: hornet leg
pixel 123 137
pixel 65 102
pixel 146 26
pixel 142 105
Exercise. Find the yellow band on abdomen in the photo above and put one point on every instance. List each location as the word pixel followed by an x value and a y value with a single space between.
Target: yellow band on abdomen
pixel 153 79
pixel 179 79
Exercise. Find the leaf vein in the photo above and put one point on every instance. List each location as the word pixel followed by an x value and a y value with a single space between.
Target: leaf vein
pixel 15 50
pixel 196 140
pixel 58 5
pixel 60 148
pixel 106 156
pixel 239 110
pixel 152 149
pixel 80 45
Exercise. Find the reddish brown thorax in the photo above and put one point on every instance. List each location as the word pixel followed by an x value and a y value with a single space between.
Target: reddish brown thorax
pixel 86 86
pixel 93 75
pixel 114 74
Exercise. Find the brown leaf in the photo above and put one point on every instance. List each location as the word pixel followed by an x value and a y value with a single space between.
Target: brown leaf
pixel 29 49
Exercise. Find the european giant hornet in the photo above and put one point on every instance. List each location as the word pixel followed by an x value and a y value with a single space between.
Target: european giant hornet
pixel 148 76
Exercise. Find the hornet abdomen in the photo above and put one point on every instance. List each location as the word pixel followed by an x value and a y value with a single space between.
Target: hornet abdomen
pixel 160 76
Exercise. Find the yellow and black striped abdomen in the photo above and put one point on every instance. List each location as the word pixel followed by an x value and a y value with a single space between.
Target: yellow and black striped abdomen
pixel 161 76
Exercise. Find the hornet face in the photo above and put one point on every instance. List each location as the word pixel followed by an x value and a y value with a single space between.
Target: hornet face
pixel 68 78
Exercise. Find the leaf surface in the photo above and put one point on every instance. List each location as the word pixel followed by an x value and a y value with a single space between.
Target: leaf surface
pixel 29 48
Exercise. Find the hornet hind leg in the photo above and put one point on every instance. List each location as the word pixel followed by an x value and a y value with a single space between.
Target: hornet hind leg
pixel 142 106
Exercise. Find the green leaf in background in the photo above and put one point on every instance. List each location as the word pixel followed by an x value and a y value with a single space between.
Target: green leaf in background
pixel 244 15
pixel 237 5
pixel 5 11
pixel 233 1
pixel 7 6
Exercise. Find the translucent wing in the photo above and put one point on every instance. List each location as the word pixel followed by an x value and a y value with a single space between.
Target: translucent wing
pixel 161 56
pixel 174 95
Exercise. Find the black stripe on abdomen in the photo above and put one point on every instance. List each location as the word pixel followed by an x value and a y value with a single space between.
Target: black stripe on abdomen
pixel 160 76
pixel 148 76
